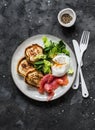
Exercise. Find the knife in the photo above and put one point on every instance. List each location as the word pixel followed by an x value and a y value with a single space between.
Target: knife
pixel 78 57
pixel 85 93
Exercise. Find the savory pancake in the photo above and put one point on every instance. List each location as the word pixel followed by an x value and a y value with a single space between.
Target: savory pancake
pixel 23 67
pixel 33 78
pixel 32 51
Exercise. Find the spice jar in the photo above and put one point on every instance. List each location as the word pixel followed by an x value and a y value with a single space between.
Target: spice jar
pixel 67 17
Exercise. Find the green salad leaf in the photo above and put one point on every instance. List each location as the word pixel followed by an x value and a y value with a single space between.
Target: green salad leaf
pixel 47 67
pixel 50 50
pixel 43 66
pixel 39 65
pixel 40 56
pixel 66 52
pixel 70 71
pixel 46 42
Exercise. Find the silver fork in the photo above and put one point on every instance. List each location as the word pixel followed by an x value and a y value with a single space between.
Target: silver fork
pixel 83 46
pixel 84 42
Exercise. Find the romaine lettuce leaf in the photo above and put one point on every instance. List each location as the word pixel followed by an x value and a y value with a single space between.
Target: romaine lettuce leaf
pixel 46 41
pixel 47 67
pixel 40 56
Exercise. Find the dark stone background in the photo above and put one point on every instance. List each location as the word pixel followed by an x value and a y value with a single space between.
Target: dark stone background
pixel 20 19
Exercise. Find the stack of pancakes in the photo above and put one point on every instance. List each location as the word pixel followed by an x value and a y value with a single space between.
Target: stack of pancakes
pixel 25 65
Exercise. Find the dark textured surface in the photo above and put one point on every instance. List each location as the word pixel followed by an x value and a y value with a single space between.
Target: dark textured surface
pixel 20 19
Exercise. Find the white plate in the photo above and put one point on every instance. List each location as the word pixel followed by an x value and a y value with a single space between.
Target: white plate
pixel 19 81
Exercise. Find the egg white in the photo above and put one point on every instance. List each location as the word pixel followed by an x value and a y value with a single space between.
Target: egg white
pixel 61 65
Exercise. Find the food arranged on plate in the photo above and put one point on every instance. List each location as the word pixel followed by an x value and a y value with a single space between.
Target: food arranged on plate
pixel 46 68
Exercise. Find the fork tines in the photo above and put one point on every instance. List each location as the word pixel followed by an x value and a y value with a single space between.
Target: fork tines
pixel 85 37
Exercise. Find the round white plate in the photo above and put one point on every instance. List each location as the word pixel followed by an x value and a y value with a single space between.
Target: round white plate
pixel 19 81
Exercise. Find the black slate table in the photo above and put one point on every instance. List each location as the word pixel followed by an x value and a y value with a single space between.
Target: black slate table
pixel 20 19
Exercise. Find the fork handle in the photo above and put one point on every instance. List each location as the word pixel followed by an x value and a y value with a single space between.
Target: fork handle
pixel 85 93
pixel 76 82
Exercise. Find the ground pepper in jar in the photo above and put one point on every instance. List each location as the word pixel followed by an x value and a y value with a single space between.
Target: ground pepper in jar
pixel 66 18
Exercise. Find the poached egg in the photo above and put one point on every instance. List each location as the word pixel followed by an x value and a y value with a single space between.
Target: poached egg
pixel 61 65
